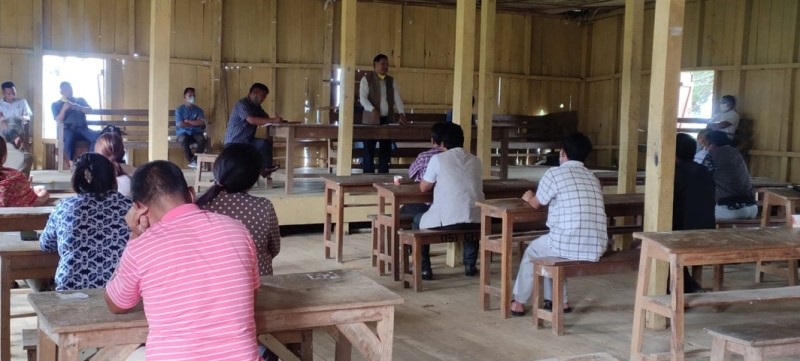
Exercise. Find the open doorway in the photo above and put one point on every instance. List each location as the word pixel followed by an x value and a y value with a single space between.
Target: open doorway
pixel 86 76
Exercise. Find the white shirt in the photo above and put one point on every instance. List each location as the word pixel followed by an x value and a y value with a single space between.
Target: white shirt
pixel 459 184
pixel 124 185
pixel 18 108
pixel 730 116
pixel 576 216
pixel 363 95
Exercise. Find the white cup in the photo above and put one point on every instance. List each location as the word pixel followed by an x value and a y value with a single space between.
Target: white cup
pixel 38 189
pixel 796 220
pixel 398 179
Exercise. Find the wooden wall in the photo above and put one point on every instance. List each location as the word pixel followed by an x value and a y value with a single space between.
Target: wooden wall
pixel 752 45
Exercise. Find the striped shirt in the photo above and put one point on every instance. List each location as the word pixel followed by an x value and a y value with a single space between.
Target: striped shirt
pixel 418 167
pixel 196 272
pixel 576 215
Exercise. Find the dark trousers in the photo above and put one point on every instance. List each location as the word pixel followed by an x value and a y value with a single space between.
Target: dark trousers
pixel 470 246
pixel 74 135
pixel 384 153
pixel 187 140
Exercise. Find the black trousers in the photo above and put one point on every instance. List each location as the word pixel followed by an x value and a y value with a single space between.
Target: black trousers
pixel 187 140
pixel 384 153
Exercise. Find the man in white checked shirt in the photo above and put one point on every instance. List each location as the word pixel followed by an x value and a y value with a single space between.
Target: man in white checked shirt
pixel 576 219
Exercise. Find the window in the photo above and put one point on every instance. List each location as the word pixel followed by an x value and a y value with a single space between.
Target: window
pixel 86 76
pixel 697 94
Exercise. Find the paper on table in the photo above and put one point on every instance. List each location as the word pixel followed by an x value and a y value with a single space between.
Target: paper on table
pixel 72 296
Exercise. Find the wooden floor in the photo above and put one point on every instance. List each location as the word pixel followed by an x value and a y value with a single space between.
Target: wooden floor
pixel 445 322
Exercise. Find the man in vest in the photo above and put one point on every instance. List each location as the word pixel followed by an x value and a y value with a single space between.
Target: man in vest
pixel 380 98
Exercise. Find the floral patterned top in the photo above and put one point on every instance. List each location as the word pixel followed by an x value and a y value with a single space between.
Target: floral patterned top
pixel 15 190
pixel 89 233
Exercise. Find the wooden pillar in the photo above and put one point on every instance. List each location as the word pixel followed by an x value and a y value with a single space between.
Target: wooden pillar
pixel 36 125
pixel 218 90
pixel 664 88
pixel 327 68
pixel 158 105
pixel 348 87
pixel 464 72
pixel 486 84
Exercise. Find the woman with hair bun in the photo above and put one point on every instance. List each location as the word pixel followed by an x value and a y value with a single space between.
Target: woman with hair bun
pixel 110 146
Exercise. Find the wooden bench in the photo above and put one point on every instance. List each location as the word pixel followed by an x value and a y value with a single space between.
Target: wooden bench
pixel 755 341
pixel 559 269
pixel 381 256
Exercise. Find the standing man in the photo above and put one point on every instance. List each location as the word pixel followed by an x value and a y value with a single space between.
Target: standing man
pixel 190 124
pixel 380 98
pixel 727 119
pixel 71 112
pixel 248 114
pixel 13 107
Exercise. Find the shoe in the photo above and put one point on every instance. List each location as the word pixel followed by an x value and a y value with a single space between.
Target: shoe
pixel 427 274
pixel 193 164
pixel 470 270
pixel 517 313
pixel 548 305
pixel 267 172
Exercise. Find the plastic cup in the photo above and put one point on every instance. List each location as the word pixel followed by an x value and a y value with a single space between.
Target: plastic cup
pixel 398 179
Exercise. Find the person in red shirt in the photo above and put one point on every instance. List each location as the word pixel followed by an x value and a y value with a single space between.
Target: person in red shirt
pixel 15 188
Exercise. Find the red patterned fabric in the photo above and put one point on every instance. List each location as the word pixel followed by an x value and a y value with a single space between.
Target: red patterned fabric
pixel 15 189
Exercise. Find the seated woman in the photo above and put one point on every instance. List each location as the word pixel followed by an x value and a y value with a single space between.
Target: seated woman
pixel 15 188
pixel 88 230
pixel 236 170
pixel 110 146
pixel 735 195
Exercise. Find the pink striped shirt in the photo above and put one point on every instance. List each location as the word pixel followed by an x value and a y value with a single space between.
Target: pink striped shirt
pixel 196 272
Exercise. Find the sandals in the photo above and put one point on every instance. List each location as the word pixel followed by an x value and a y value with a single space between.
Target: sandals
pixel 517 313
pixel 548 305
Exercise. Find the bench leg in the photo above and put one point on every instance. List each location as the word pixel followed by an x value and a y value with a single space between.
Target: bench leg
pixel 719 276
pixel 558 301
pixel 536 296
pixel 375 248
pixel 792 272
pixel 407 260
pixel 719 350
pixel 416 250
pixel 754 354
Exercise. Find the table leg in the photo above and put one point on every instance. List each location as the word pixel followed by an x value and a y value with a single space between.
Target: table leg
pixel 68 348
pixel 339 225
pixel 393 240
pixel 766 209
pixel 642 284
pixel 504 154
pixel 382 235
pixel 677 304
pixel 344 349
pixel 5 308
pixel 505 267
pixel 326 238
pixel 486 267
pixel 289 165
pixel 385 330
pixel 46 348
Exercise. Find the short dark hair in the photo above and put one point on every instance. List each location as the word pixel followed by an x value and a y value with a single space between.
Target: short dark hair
pixel 718 138
pixel 236 170
pixel 436 132
pixel 685 147
pixel 452 136
pixel 188 89
pixel 259 86
pixel 94 174
pixel 379 57
pixel 157 179
pixel 729 99
pixel 7 85
pixel 577 146
pixel 64 84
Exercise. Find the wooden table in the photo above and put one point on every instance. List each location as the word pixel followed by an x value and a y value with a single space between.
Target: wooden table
pixel 699 247
pixel 785 197
pixel 398 195
pixel 55 187
pixel 24 218
pixel 18 260
pixel 334 207
pixel 611 178
pixel 515 210
pixel 341 301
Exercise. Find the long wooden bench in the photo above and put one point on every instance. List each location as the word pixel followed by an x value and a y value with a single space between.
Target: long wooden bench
pixel 559 269
pixel 755 341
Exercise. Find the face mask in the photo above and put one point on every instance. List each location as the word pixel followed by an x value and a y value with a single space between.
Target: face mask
pixel 724 107
pixel 190 100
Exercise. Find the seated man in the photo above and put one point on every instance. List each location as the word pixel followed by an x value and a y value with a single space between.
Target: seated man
pixel 727 120
pixel 71 111
pixel 702 145
pixel 13 107
pixel 190 125
pixel 693 202
pixel 11 131
pixel 248 114
pixel 735 195
pixel 456 175
pixel 418 167
pixel 179 260
pixel 576 218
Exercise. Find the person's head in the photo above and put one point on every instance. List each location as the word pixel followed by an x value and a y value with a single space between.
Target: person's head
pixel 236 170
pixel 3 151
pixel 717 138
pixel 701 138
pixel 94 174
pixel 110 146
pixel 728 102
pixel 381 64
pixel 258 92
pixel 452 136
pixel 159 186
pixel 66 89
pixel 188 95
pixel 685 147
pixel 9 91
pixel 576 147
pixel 11 130
pixel 436 133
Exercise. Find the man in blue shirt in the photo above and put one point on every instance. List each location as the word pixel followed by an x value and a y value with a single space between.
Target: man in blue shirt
pixel 245 117
pixel 72 112
pixel 190 124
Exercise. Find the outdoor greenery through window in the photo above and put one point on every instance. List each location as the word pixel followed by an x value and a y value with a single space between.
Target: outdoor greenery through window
pixel 696 97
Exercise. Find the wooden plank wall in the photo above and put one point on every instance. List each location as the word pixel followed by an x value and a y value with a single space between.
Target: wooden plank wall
pixel 752 45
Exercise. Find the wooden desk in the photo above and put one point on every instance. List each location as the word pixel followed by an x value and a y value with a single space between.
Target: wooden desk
pixel 56 187
pixel 694 248
pixel 18 260
pixel 342 301
pixel 611 178
pixel 24 218
pixel 785 197
pixel 398 195
pixel 515 210
pixel 340 186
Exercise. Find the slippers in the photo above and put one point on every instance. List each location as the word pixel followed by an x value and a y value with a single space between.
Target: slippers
pixel 548 305
pixel 517 313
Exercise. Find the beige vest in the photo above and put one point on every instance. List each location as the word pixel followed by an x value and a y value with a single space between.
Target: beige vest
pixel 375 97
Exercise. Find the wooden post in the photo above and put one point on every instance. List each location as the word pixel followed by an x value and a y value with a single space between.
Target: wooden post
pixel 630 101
pixel 158 108
pixel 36 124
pixel 486 84
pixel 664 87
pixel 347 87
pixel 327 68
pixel 464 71
pixel 218 103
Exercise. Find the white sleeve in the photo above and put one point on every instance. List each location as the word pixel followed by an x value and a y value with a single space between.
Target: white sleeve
pixel 363 95
pixel 433 170
pixel 398 103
